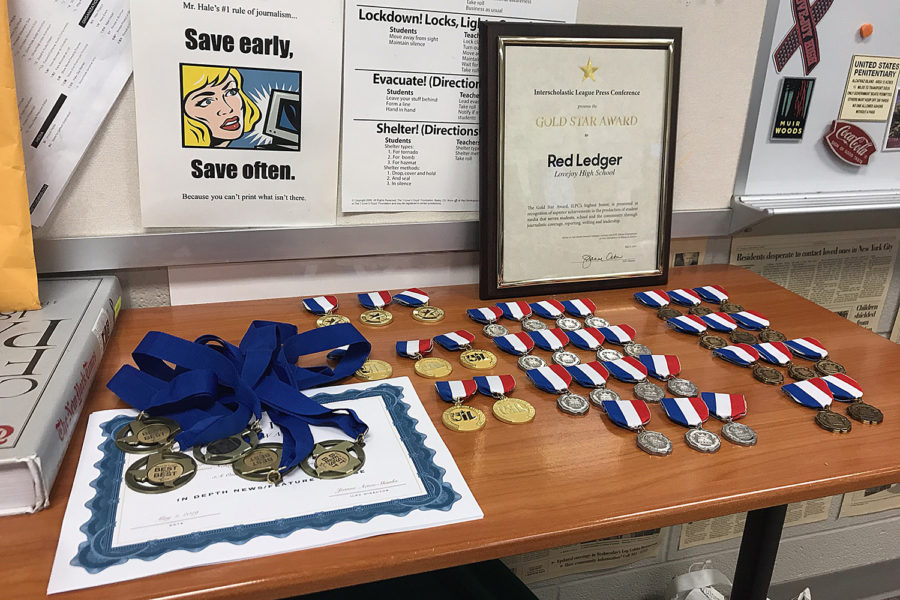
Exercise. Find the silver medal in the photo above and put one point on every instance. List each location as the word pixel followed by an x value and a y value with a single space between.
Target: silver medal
pixel 608 354
pixel 534 325
pixel 634 349
pixel 598 395
pixel 565 358
pixel 573 404
pixel 702 440
pixel 655 443
pixel 738 433
pixel 595 321
pixel 568 323
pixel 682 388
pixel 493 330
pixel 649 391
pixel 527 362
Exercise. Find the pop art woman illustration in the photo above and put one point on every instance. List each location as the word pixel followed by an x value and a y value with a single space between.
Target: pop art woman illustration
pixel 215 109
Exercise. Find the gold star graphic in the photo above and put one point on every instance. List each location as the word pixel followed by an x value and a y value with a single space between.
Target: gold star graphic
pixel 588 70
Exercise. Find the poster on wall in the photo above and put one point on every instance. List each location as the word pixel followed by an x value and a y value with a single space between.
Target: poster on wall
pixel 410 126
pixel 869 93
pixel 892 135
pixel 237 112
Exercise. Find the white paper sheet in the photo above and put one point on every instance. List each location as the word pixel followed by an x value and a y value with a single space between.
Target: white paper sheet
pixel 238 108
pixel 410 126
pixel 72 59
pixel 218 499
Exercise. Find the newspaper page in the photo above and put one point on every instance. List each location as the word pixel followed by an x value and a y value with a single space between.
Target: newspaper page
pixel 729 527
pixel 72 58
pixel 846 272
pixel 597 555
pixel 687 252
pixel 871 500
pixel 895 333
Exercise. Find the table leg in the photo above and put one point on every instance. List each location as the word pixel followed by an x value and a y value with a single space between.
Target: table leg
pixel 759 547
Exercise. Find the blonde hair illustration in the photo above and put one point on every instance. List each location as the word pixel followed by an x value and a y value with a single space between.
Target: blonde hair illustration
pixel 196 77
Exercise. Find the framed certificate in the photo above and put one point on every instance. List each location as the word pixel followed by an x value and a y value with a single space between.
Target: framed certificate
pixel 577 156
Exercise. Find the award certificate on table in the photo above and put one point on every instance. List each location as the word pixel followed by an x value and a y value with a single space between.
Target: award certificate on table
pixel 577 168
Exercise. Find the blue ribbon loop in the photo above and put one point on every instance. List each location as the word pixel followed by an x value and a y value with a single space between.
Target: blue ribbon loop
pixel 214 389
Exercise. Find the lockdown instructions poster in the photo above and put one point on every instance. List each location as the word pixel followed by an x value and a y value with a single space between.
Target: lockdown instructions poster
pixel 238 111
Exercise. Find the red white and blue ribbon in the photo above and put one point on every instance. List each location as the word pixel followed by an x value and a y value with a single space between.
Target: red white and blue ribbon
pixel 684 297
pixel 719 321
pixel 455 391
pixel 630 414
pixel 516 311
pixel 515 343
pixel 373 300
pixel 485 315
pixel 689 412
pixel 627 369
pixel 750 319
pixel 740 354
pixel 653 298
pixel 589 375
pixel 414 348
pixel 715 294
pixel 843 387
pixel 320 305
pixel 495 386
pixel 619 334
pixel 588 338
pixel 807 347
pixel 661 366
pixel 455 340
pixel 814 393
pixel 725 406
pixel 775 353
pixel 549 309
pixel 687 324
pixel 552 378
pixel 412 297
pixel 550 339
pixel 579 307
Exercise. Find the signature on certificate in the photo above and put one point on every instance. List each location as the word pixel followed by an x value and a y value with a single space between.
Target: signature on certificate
pixel 587 259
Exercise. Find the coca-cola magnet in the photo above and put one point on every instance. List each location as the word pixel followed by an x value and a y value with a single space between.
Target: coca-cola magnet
pixel 850 143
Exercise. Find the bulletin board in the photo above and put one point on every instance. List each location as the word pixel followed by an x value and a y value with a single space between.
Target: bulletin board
pixel 816 67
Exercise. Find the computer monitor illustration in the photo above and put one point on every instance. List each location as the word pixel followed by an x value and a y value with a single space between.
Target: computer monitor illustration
pixel 283 119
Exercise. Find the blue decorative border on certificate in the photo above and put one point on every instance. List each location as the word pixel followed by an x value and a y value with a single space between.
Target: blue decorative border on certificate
pixel 97 553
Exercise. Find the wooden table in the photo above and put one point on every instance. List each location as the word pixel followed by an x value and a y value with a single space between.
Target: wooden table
pixel 559 480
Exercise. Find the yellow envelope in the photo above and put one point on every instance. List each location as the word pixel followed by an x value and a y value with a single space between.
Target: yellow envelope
pixel 18 276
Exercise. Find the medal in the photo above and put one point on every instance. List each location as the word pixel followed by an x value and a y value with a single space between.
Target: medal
pixel 260 464
pixel 728 307
pixel 750 320
pixel 554 340
pixel 829 367
pixel 589 375
pixel 509 410
pixel 634 415
pixel 418 301
pixel 729 408
pixel 146 434
pixel 743 337
pixel 433 368
pixel 808 348
pixel 373 370
pixel 515 311
pixel 568 324
pixel 334 459
pixel 666 367
pixel 815 393
pixel 691 324
pixel 700 311
pixel 714 294
pixel 684 297
pixel 595 322
pixel 720 322
pixel 653 299
pixel 588 338
pixel 712 342
pixel 160 472
pixel 847 389
pixel 556 379
pixel 228 450
pixel 376 316
pixel 488 316
pixel 740 354
pixel 775 353
pixel 770 335
pixel 768 375
pixel 470 358
pixel 667 312
pixel 533 325
pixel 581 308
pixel 692 412
pixel 618 334
pixel 529 361
pixel 323 306
pixel 800 373
pixel 634 349
pixel 630 370
pixel 459 417
pixel 608 354
pixel 604 394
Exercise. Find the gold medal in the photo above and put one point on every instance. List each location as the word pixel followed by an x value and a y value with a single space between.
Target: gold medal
pixel 160 472
pixel 330 319
pixel 334 459
pixel 146 434
pixel 480 360
pixel 373 370
pixel 433 368
pixel 428 314
pixel 376 318
pixel 513 411
pixel 260 464
pixel 463 418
